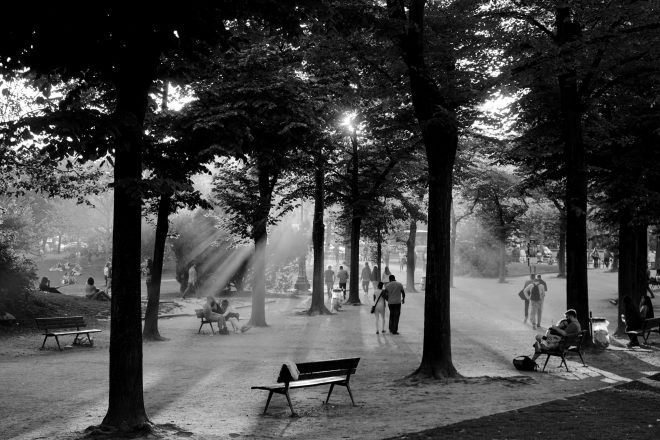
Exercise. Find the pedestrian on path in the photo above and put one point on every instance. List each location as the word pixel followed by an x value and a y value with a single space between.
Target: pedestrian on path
pixel 375 277
pixel 365 277
pixel 329 277
pixel 535 292
pixel 545 286
pixel 395 297
pixel 342 276
pixel 526 298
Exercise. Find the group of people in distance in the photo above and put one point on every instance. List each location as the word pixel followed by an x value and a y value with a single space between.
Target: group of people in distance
pixel 223 313
pixel 390 293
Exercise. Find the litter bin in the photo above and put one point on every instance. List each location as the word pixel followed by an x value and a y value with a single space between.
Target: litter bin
pixel 600 334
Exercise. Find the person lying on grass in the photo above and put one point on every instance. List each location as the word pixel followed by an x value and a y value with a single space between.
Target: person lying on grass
pixel 567 329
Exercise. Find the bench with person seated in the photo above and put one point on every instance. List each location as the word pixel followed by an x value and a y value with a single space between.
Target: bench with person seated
pixel 203 321
pixel 311 374
pixel 63 326
pixel 572 345
pixel 650 326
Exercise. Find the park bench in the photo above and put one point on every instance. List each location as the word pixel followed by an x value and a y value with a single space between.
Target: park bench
pixel 311 374
pixel 650 326
pixel 63 326
pixel 564 348
pixel 203 321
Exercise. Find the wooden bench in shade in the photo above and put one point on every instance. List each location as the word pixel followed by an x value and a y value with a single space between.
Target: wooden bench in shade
pixel 312 374
pixel 63 326
pixel 566 347
pixel 203 321
pixel 650 326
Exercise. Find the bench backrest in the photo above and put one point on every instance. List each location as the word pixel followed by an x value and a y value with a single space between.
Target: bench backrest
pixel 320 369
pixel 199 313
pixel 650 323
pixel 576 341
pixel 60 322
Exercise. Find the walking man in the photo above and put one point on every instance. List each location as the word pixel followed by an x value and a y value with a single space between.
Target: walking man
pixel 395 297
pixel 329 276
pixel 536 294
pixel 545 286
pixel 365 277
pixel 526 297
pixel 342 276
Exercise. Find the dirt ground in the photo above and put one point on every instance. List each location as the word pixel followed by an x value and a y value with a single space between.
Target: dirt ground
pixel 201 383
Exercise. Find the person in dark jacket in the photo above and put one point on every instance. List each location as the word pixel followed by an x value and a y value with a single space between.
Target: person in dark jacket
pixel 633 320
pixel 44 286
pixel 646 308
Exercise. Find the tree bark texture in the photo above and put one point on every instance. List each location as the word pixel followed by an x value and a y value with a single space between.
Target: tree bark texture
pixel 577 293
pixel 318 233
pixel 354 271
pixel 632 277
pixel 411 257
pixel 153 289
pixel 439 132
pixel 452 244
pixel 260 238
pixel 356 223
pixel 561 255
pixel 135 73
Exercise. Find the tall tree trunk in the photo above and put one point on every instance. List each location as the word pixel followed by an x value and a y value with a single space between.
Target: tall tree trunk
pixel 318 233
pixel 626 277
pixel 153 289
pixel 452 244
pixel 501 264
pixel 561 255
pixel 126 410
pixel 260 237
pixel 411 257
pixel 354 271
pixel 150 330
pixel 379 253
pixel 356 223
pixel 577 293
pixel 59 243
pixel 439 132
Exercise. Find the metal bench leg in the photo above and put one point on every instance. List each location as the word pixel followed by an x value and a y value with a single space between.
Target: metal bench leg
pixel 546 362
pixel 288 399
pixel 332 387
pixel 270 396
pixel 584 364
pixel 563 361
pixel 200 328
pixel 211 325
pixel 58 342
pixel 348 387
pixel 44 343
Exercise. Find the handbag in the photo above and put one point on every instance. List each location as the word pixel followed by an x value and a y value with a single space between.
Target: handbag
pixel 521 294
pixel 525 363
pixel 373 308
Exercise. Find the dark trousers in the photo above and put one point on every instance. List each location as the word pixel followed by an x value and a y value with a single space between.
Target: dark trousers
pixel 526 308
pixel 342 286
pixel 395 313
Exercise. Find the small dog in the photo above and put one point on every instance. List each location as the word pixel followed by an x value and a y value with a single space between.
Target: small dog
pixel 379 307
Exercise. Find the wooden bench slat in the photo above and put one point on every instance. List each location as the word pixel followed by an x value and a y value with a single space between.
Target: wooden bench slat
pixel 73 332
pixel 331 372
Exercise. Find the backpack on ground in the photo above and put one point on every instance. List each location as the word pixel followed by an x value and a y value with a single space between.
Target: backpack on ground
pixel 536 293
pixel 525 363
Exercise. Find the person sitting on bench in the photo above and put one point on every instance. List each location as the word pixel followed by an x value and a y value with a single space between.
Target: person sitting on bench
pixel 633 320
pixel 232 317
pixel 646 308
pixel 213 313
pixel 566 329
pixel 44 286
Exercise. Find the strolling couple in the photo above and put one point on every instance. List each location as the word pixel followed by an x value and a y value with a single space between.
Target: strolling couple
pixel 394 294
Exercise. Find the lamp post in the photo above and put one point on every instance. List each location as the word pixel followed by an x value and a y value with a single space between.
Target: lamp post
pixel 302 284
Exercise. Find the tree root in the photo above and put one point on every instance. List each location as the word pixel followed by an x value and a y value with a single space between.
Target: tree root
pixel 147 431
